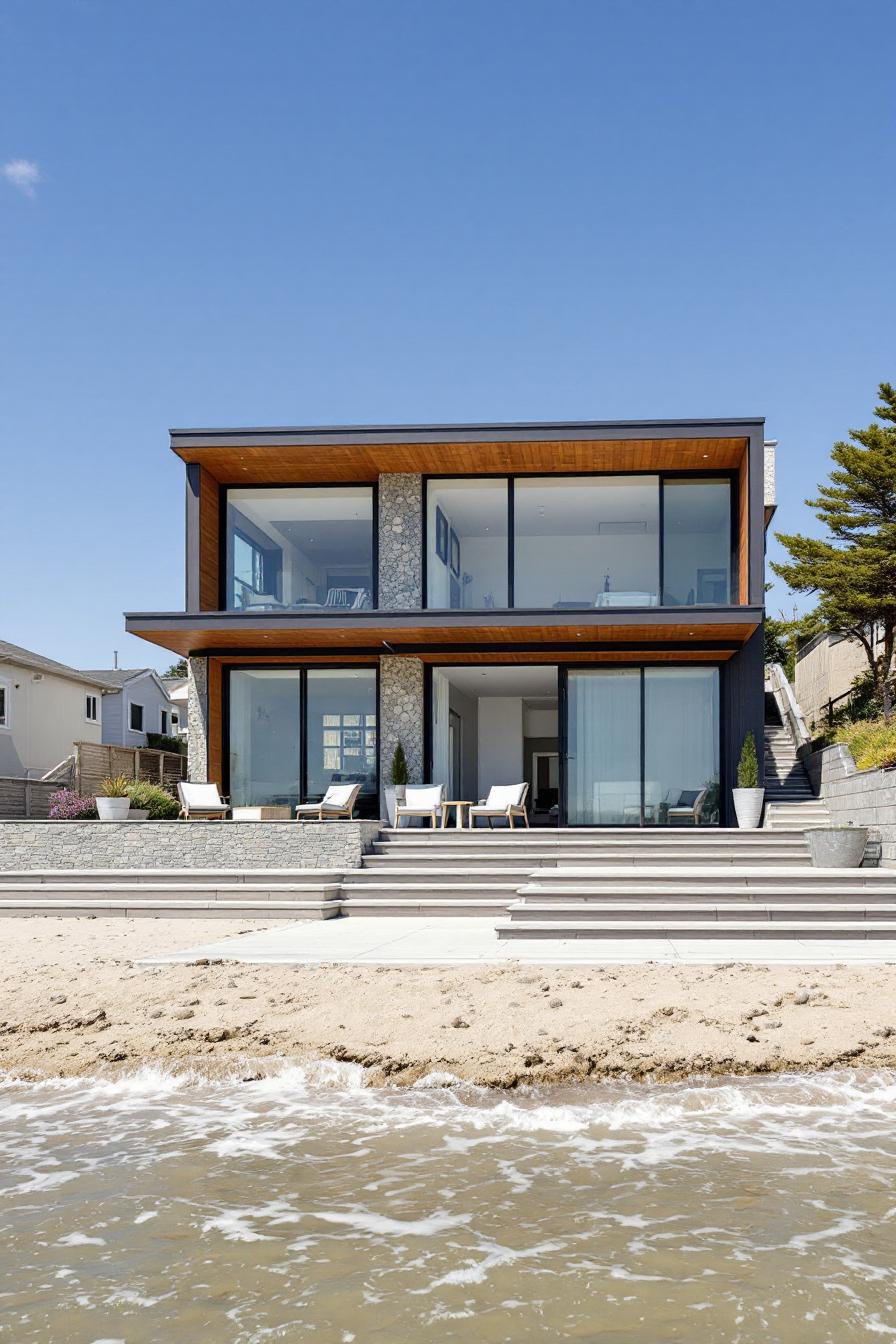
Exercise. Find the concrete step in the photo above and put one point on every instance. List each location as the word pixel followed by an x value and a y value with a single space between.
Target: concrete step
pixel 528 910
pixel 456 890
pixel 206 892
pixel 655 897
pixel 426 907
pixel 721 928
pixel 134 907
pixel 172 876
pixel 469 862
pixel 743 874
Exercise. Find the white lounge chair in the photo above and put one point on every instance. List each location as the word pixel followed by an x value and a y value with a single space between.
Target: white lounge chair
pixel 338 801
pixel 421 800
pixel 201 800
pixel 504 800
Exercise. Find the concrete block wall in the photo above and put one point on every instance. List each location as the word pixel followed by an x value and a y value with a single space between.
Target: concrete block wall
pixel 860 797
pixel 179 844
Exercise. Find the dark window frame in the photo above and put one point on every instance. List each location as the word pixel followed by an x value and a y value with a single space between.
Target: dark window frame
pixel 132 705
pixel 728 474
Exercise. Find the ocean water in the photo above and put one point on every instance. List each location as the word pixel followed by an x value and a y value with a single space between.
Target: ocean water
pixel 306 1206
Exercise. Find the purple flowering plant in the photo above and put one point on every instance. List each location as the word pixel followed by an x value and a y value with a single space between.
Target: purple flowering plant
pixel 66 805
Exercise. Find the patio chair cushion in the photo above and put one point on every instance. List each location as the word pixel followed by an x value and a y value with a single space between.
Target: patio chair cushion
pixel 338 795
pixel 423 796
pixel 505 795
pixel 688 797
pixel 201 797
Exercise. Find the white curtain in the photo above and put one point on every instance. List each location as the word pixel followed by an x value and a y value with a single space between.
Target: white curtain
pixel 441 763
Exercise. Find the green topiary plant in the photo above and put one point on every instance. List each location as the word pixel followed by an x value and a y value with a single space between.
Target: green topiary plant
pixel 156 800
pixel 748 765
pixel 115 787
pixel 399 766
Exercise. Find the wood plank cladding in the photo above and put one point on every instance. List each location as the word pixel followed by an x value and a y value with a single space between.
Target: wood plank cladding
pixel 209 541
pixel 230 633
pixel 215 722
pixel 268 464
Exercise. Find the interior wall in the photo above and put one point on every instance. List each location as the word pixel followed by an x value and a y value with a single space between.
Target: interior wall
pixel 501 742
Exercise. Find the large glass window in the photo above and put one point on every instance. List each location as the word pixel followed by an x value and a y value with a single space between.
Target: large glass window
pixel 586 541
pixel 300 547
pixel 341 729
pixel 696 542
pixel 665 775
pixel 466 556
pixel 265 737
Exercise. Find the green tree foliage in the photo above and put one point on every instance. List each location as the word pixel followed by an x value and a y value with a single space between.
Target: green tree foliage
pixel 853 569
pixel 178 669
pixel 748 765
pixel 399 765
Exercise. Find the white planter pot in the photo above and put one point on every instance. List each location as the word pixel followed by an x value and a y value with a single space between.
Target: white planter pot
pixel 395 793
pixel 113 809
pixel 748 807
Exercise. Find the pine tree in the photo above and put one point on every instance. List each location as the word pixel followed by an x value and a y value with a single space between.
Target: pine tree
pixel 853 570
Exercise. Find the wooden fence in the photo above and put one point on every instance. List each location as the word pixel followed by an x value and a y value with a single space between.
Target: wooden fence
pixel 20 798
pixel 95 762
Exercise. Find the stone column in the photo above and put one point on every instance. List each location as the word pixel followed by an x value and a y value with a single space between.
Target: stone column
pixel 197 719
pixel 401 717
pixel 400 541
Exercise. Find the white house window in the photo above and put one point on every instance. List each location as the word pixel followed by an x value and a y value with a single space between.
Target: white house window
pixel 175 720
pixel 136 719
pixel 4 704
pixel 92 709
pixel 163 719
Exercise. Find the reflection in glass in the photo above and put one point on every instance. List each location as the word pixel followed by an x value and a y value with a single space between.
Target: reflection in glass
pixel 696 542
pixel 300 547
pixel 341 729
pixel 681 745
pixel 466 544
pixel 265 731
pixel 586 541
pixel 604 747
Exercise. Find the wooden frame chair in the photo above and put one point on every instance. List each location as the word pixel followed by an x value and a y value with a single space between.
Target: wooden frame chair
pixel 201 801
pixel 504 800
pixel 338 802
pixel 691 810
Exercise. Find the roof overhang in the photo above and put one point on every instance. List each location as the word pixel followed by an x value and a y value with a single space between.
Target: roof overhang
pixel 708 632
pixel 361 452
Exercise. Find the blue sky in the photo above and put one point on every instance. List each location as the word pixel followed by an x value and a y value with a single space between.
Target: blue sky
pixel 289 213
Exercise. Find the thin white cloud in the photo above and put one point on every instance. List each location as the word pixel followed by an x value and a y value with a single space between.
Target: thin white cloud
pixel 23 174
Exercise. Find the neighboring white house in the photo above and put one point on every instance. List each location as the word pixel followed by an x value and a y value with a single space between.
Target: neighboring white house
pixel 178 694
pixel 139 705
pixel 45 707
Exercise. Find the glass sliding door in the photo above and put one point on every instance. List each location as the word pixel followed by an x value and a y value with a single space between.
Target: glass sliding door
pixel 681 745
pixel 603 744
pixel 265 736
pixel 292 732
pixel 642 746
pixel 340 730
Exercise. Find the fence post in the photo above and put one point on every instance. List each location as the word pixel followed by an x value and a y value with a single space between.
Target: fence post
pixel 27 797
pixel 162 768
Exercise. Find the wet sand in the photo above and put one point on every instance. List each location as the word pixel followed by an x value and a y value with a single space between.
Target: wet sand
pixel 72 1002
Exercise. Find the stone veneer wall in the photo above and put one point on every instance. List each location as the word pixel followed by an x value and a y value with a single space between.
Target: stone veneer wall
pixel 401 716
pixel 197 719
pixel 180 844
pixel 400 541
pixel 861 797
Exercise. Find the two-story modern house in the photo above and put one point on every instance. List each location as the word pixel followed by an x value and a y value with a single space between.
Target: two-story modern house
pixel 578 605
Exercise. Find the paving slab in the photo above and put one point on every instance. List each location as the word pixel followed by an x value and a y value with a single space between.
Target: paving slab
pixel 407 941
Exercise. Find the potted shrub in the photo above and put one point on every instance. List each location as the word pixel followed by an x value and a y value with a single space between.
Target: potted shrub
pixel 398 775
pixel 113 804
pixel 748 796
pixel 151 802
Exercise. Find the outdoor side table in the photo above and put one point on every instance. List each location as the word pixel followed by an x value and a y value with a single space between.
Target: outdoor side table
pixel 458 804
pixel 261 814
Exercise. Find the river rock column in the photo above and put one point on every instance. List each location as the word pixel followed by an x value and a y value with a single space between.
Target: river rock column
pixel 400 541
pixel 401 718
pixel 197 719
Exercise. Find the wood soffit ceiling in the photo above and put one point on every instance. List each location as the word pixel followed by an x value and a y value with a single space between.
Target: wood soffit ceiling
pixel 261 464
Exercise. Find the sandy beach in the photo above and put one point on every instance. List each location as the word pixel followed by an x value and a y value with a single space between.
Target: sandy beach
pixel 74 1003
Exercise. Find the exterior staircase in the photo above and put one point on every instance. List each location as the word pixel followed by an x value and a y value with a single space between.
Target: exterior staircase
pixel 789 799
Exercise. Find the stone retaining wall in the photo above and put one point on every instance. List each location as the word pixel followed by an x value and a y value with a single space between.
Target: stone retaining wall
pixel 862 797
pixel 181 844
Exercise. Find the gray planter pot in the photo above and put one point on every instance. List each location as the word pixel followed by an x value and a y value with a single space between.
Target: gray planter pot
pixel 138 814
pixel 395 793
pixel 748 807
pixel 113 809
pixel 837 846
